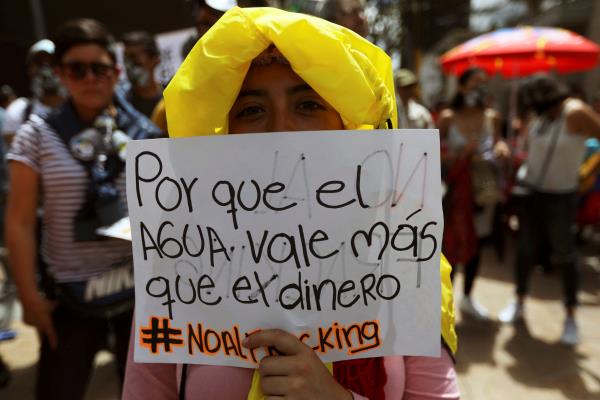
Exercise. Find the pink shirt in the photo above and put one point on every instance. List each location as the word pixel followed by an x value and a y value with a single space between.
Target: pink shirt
pixel 409 378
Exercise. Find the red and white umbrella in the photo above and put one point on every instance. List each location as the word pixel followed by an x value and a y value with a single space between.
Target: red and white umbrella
pixel 517 52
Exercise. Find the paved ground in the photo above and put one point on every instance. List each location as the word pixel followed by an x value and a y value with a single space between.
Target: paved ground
pixel 494 361
pixel 526 361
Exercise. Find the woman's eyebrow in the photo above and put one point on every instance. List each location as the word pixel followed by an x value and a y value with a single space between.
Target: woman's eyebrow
pixel 303 87
pixel 252 92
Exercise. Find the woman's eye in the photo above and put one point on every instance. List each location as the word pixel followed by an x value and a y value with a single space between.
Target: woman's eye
pixel 310 105
pixel 249 111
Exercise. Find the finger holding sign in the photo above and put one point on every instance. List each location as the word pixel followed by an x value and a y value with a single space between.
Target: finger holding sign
pixel 296 374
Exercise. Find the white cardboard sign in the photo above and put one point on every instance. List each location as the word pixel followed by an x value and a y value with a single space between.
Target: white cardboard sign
pixel 170 45
pixel 332 236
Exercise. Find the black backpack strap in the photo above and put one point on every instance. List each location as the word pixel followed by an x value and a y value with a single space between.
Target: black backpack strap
pixel 28 110
pixel 182 381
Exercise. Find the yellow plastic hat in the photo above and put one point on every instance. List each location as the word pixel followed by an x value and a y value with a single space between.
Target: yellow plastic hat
pixel 350 73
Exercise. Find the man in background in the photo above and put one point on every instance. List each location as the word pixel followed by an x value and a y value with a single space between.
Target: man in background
pixel 205 14
pixel 411 115
pixel 347 13
pixel 7 96
pixel 46 91
pixel 141 59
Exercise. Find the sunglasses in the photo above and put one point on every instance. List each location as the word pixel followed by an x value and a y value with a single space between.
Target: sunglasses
pixel 78 70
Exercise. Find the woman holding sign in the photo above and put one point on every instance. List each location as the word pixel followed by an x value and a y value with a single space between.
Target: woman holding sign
pixel 237 80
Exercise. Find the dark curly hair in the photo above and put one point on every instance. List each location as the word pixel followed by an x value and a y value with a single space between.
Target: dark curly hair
pixel 458 101
pixel 541 93
pixel 82 31
pixel 144 39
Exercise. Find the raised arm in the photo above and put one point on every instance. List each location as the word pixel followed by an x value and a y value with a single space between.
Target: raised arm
pixel 581 119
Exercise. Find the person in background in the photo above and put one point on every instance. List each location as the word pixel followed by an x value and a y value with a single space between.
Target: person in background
pixel 141 59
pixel 263 91
pixel 46 91
pixel 347 13
pixel 205 13
pixel 411 115
pixel 471 142
pixel 72 163
pixel 7 96
pixel 556 143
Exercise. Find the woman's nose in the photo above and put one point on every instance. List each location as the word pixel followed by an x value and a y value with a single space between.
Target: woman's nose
pixel 281 121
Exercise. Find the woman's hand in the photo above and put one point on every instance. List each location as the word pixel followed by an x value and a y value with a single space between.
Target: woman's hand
pixel 298 373
pixel 37 312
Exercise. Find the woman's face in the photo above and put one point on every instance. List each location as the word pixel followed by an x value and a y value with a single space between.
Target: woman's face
pixel 274 99
pixel 476 81
pixel 474 91
pixel 89 74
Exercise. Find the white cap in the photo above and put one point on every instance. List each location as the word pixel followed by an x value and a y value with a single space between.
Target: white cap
pixel 221 5
pixel 45 45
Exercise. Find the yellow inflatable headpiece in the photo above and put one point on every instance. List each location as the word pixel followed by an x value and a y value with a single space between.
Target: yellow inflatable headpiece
pixel 351 74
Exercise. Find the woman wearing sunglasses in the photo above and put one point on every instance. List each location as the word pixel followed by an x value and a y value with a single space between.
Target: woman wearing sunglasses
pixel 72 164
pixel 266 70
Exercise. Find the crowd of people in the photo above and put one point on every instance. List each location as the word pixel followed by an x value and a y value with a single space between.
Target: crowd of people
pixel 64 178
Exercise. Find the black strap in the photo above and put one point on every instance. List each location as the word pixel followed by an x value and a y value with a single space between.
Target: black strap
pixel 28 110
pixel 182 382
